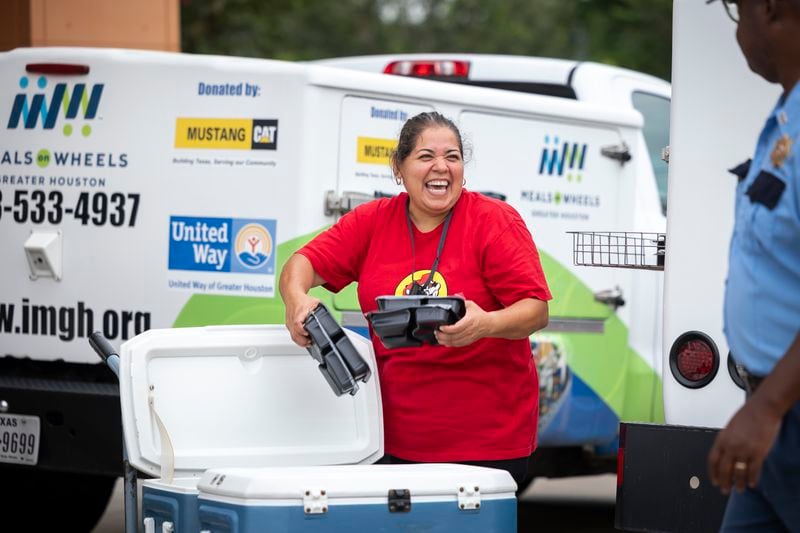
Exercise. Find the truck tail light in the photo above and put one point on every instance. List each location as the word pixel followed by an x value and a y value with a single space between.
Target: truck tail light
pixel 694 359
pixel 429 68
pixel 63 69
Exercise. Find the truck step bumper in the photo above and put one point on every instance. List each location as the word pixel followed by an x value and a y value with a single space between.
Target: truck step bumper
pixel 662 479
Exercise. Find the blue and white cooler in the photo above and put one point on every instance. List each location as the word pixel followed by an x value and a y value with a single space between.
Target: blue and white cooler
pixel 244 412
pixel 435 498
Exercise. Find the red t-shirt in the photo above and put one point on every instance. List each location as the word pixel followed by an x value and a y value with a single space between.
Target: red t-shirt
pixel 478 402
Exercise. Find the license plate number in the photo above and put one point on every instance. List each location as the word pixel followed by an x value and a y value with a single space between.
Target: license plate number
pixel 19 439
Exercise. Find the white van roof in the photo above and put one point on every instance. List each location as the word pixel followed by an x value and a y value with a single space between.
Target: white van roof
pixel 324 74
pixel 588 80
pixel 476 98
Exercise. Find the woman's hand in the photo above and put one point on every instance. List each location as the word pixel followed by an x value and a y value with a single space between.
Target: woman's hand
pixel 516 321
pixel 297 278
pixel 473 326
pixel 297 310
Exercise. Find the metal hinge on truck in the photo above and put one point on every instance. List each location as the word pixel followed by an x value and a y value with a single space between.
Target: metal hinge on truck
pixel 336 204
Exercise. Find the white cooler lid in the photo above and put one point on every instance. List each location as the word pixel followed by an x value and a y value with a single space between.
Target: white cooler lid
pixel 288 484
pixel 240 396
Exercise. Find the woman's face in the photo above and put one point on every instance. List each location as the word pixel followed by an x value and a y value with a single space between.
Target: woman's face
pixel 433 173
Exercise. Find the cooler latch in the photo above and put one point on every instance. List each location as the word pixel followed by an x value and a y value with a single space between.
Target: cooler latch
pixel 399 500
pixel 469 497
pixel 315 501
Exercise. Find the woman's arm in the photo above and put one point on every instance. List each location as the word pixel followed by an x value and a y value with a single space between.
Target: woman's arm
pixel 297 278
pixel 516 321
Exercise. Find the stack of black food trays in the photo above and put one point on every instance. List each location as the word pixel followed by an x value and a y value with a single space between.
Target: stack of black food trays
pixel 402 321
pixel 339 361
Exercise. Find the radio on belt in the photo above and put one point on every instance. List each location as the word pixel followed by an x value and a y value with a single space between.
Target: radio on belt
pixel 339 362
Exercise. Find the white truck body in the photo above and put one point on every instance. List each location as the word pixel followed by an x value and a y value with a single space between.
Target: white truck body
pixel 718 109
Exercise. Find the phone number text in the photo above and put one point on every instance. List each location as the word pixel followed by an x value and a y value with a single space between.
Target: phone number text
pixel 91 208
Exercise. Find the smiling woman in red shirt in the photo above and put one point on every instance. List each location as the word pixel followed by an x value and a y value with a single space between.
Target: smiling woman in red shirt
pixel 472 399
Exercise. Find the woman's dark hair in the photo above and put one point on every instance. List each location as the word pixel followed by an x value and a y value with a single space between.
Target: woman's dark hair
pixel 414 127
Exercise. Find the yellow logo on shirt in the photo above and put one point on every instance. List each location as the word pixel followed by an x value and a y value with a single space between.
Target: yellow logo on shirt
pixel 437 288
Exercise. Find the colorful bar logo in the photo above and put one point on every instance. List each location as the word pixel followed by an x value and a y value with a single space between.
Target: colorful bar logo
pixel 71 100
pixel 560 156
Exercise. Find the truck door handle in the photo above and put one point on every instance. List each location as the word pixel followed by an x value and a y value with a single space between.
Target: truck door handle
pixel 611 297
pixel 617 152
pixel 340 204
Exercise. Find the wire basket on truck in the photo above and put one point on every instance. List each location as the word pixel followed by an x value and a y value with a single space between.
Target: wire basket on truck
pixel 619 249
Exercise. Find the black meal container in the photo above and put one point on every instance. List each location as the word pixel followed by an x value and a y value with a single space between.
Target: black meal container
pixel 403 321
pixel 339 361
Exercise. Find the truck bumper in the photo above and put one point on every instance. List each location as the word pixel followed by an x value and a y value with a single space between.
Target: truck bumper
pixel 80 423
pixel 662 479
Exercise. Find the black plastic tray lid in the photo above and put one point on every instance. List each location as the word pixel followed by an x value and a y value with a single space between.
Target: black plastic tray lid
pixel 406 341
pixel 389 303
pixel 392 323
pixel 355 363
pixel 428 320
pixel 339 362
pixel 403 321
pixel 337 375
pixel 320 341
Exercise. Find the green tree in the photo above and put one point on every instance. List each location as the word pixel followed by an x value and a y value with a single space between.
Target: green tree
pixel 630 33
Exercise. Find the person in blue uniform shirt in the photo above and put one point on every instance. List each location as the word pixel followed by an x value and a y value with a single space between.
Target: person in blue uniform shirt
pixel 758 453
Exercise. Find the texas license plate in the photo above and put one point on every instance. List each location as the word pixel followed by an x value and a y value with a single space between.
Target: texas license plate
pixel 19 439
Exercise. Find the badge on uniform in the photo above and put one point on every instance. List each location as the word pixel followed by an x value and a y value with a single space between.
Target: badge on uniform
pixel 781 150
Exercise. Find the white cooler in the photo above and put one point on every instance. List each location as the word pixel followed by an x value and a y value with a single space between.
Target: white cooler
pixel 238 400
pixel 333 499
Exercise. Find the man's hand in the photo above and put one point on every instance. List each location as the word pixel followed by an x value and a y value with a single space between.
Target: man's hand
pixel 474 325
pixel 739 450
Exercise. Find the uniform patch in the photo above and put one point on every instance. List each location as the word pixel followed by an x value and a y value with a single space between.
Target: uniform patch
pixel 766 190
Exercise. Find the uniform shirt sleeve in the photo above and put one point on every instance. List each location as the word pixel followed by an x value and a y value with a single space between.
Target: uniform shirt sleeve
pixel 337 253
pixel 512 268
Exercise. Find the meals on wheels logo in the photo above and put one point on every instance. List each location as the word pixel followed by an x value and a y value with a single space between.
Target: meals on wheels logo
pixel 438 287
pixel 222 245
pixel 559 156
pixel 74 101
pixel 226 133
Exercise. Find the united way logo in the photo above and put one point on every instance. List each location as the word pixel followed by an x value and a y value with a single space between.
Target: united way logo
pixel 253 246
pixel 222 244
